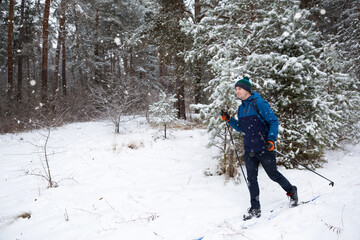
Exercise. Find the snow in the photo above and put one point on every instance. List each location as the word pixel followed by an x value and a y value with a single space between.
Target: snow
pixel 136 185
pixel 117 41
pixel 297 16
pixel 32 82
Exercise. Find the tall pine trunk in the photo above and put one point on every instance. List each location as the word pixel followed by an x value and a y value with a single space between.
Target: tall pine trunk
pixel 131 66
pixel 63 35
pixel 180 95
pixel 63 64
pixel 28 77
pixel 57 64
pixel 60 48
pixel 20 57
pixel 10 46
pixel 45 49
pixel 97 49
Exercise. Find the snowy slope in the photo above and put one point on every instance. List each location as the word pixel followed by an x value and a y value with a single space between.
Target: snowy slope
pixel 138 186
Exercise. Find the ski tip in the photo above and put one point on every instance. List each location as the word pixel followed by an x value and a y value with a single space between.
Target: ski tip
pixel 332 184
pixel 199 238
pixel 315 198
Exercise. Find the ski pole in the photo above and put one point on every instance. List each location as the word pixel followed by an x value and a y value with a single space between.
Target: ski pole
pixel 237 156
pixel 331 182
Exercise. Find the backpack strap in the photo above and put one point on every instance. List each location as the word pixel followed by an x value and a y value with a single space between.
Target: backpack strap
pixel 262 119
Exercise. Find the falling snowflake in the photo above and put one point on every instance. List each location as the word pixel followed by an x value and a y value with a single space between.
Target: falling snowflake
pixel 297 16
pixel 117 41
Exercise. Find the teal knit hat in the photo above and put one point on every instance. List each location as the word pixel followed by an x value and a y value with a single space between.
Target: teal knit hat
pixel 244 84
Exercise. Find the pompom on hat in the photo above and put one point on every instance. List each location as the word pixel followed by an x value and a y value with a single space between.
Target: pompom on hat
pixel 244 84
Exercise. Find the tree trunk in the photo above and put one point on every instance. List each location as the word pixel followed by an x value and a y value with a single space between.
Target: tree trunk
pixel 63 38
pixel 63 64
pixel 118 67
pixel 20 57
pixel 180 95
pixel 45 49
pixel 28 77
pixel 57 64
pixel 60 44
pixel 97 48
pixel 10 45
pixel 198 88
pixel 131 66
pixel 197 10
pixel 126 67
pixel 161 66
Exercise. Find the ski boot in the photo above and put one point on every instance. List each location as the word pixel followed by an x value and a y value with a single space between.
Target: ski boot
pixel 293 197
pixel 252 212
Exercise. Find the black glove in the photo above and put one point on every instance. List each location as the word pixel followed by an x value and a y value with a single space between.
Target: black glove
pixel 225 115
pixel 270 145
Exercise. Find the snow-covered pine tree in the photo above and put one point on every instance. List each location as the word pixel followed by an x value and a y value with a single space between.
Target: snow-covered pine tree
pixel 219 40
pixel 277 45
pixel 164 111
pixel 342 95
pixel 342 55
pixel 309 115
pixel 342 27
pixel 285 66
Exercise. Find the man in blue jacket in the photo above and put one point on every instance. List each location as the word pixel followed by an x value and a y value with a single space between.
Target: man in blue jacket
pixel 259 126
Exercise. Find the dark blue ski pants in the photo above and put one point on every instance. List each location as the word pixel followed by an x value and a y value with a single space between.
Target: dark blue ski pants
pixel 268 161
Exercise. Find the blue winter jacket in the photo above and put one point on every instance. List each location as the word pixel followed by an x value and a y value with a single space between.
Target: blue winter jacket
pixel 256 130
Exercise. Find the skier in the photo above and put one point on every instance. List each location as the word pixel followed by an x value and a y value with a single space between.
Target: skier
pixel 259 126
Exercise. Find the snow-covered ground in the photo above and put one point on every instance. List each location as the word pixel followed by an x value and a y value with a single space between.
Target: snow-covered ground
pixel 137 185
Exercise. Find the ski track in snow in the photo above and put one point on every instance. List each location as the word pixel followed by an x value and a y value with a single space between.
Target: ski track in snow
pixel 136 185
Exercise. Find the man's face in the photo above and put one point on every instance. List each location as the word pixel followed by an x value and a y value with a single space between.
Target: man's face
pixel 242 93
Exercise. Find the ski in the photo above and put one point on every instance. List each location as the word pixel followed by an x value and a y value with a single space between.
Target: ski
pixel 292 206
pixel 304 202
pixel 250 222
